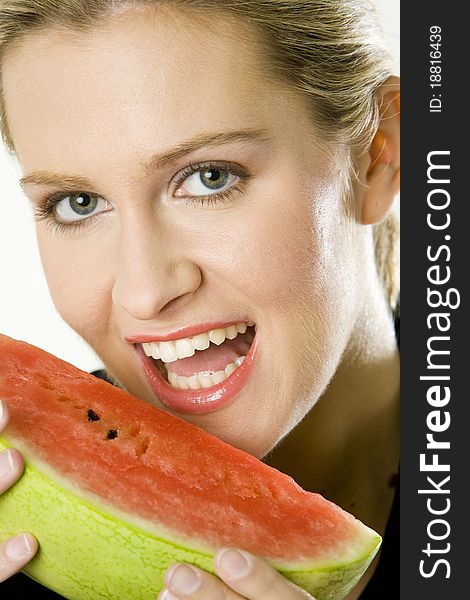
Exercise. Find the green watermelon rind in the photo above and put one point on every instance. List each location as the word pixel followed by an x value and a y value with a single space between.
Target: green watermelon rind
pixel 78 560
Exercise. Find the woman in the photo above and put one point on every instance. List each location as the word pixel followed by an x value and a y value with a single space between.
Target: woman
pixel 210 176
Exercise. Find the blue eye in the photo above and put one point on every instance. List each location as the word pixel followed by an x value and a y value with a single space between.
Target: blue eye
pixel 65 211
pixel 206 181
pixel 214 179
pixel 79 206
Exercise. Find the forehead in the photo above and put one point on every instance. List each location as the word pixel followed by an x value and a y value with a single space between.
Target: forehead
pixel 155 77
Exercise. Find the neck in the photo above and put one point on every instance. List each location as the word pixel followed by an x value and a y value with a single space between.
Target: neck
pixel 347 447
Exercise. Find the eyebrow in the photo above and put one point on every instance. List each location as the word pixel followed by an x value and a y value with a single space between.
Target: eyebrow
pixel 156 161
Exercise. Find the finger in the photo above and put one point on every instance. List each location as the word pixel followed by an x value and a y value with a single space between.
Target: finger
pixel 11 467
pixel 184 582
pixel 4 415
pixel 11 461
pixel 15 553
pixel 253 578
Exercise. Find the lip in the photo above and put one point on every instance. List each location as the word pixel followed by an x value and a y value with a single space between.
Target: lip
pixel 184 332
pixel 203 400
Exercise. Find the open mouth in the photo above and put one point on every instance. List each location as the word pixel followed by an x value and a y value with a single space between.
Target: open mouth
pixel 203 360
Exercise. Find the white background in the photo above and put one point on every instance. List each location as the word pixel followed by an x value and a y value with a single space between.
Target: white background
pixel 26 311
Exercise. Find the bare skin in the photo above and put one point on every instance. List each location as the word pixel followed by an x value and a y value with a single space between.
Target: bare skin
pixel 282 249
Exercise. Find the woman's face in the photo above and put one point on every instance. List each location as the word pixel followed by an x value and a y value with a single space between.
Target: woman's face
pixel 188 193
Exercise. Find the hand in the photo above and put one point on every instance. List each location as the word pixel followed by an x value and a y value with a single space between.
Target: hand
pixel 20 549
pixel 243 576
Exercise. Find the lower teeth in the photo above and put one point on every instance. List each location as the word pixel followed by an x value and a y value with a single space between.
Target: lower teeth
pixel 204 379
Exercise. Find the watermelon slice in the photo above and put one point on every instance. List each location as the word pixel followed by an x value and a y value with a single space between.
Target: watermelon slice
pixel 116 490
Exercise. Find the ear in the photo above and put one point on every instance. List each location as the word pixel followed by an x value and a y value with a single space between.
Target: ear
pixel 379 167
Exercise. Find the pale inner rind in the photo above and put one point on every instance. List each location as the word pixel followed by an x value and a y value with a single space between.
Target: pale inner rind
pixel 93 551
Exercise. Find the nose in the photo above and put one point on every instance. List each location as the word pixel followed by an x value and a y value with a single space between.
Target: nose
pixel 153 272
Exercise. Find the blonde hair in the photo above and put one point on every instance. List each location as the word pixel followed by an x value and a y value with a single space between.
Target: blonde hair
pixel 330 50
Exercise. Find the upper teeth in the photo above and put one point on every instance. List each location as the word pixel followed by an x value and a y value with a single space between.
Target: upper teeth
pixel 183 348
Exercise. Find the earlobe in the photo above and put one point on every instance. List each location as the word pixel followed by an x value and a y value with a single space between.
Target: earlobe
pixel 380 171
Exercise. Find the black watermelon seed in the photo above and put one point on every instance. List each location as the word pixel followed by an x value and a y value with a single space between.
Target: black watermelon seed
pixel 92 416
pixel 112 433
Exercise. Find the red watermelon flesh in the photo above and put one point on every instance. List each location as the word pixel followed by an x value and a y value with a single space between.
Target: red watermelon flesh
pixel 164 474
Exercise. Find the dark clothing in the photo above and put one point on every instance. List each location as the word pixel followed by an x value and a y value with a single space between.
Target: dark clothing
pixel 385 583
pixel 21 587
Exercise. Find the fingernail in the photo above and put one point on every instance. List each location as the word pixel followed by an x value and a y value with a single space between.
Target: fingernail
pixel 6 463
pixel 18 547
pixel 183 579
pixel 3 410
pixel 235 564
pixel 166 595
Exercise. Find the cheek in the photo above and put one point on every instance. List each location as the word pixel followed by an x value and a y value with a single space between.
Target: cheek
pixel 80 287
pixel 296 266
pixel 287 247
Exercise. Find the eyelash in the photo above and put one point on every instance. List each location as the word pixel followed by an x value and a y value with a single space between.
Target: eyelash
pixel 211 199
pixel 46 210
